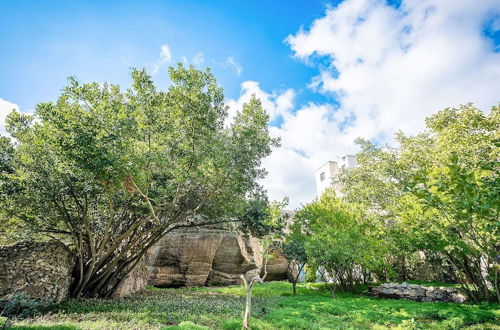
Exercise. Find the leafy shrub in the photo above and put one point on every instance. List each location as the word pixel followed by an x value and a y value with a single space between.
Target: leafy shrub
pixel 20 305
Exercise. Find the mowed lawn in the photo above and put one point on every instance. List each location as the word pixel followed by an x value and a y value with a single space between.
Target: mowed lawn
pixel 273 308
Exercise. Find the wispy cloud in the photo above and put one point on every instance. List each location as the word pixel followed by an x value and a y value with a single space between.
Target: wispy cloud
pixel 233 65
pixel 165 57
pixel 198 59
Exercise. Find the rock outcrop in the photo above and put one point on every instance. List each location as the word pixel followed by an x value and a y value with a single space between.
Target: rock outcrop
pixel 417 292
pixel 185 258
pixel 39 270
pixel 208 258
pixel 136 281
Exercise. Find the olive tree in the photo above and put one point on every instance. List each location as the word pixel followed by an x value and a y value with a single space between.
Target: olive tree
pixel 113 171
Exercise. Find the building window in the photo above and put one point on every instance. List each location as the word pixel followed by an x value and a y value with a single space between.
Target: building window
pixel 322 176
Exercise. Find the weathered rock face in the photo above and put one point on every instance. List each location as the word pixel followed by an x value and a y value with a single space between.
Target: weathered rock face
pixel 136 281
pixel 42 270
pixel 208 258
pixel 417 292
pixel 277 267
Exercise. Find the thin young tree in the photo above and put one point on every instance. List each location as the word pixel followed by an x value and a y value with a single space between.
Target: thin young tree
pixel 267 249
pixel 295 253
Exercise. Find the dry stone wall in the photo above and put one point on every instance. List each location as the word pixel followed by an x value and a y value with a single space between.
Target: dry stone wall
pixel 417 292
pixel 42 270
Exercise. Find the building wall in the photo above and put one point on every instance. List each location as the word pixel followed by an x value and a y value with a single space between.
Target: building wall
pixel 327 174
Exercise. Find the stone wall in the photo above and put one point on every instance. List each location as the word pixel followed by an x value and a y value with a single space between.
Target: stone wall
pixel 41 269
pixel 417 292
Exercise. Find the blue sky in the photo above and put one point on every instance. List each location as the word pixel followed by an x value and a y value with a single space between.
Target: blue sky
pixel 326 71
pixel 44 42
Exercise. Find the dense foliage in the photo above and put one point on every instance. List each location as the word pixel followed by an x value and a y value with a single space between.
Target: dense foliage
pixel 438 194
pixel 428 210
pixel 341 241
pixel 114 171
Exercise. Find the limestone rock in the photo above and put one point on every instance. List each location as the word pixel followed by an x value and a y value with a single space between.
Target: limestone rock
pixel 417 293
pixel 208 258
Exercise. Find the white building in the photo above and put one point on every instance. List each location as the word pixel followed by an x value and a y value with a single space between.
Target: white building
pixel 327 175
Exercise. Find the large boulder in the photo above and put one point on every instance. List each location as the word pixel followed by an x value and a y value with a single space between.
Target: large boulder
pixel 39 270
pixel 136 281
pixel 208 258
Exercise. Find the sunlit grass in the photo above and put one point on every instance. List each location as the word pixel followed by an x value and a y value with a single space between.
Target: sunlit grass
pixel 273 308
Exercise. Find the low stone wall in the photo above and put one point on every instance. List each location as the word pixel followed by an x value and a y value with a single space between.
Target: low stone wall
pixel 42 270
pixel 417 292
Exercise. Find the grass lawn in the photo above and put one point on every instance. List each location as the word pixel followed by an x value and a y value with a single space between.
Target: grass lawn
pixel 273 308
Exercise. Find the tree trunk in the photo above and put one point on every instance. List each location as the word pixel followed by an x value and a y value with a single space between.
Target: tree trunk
pixel 248 308
pixel 294 285
pixel 332 290
pixel 249 286
pixel 496 285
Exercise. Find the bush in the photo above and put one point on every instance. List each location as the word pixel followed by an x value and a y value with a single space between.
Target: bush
pixel 20 305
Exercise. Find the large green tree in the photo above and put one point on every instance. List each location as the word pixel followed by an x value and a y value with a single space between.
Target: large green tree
pixel 114 171
pixel 438 193
pixel 457 177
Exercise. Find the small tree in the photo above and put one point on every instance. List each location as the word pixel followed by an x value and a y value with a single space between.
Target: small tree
pixel 295 252
pixel 339 240
pixel 249 285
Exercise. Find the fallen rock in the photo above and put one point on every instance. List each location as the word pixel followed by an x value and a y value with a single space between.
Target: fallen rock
pixel 417 293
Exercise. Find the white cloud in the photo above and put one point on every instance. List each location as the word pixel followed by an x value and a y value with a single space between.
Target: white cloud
pixel 391 67
pixel 308 138
pixel 276 103
pixel 198 59
pixel 5 108
pixel 388 68
pixel 165 54
pixel 232 64
pixel 165 57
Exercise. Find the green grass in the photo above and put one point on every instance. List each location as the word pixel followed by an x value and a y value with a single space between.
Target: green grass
pixel 273 308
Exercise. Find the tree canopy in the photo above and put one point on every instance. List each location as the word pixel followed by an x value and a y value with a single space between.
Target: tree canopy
pixel 115 170
pixel 438 193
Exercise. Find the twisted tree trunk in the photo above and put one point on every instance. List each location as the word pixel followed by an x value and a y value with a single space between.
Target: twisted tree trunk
pixel 248 300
